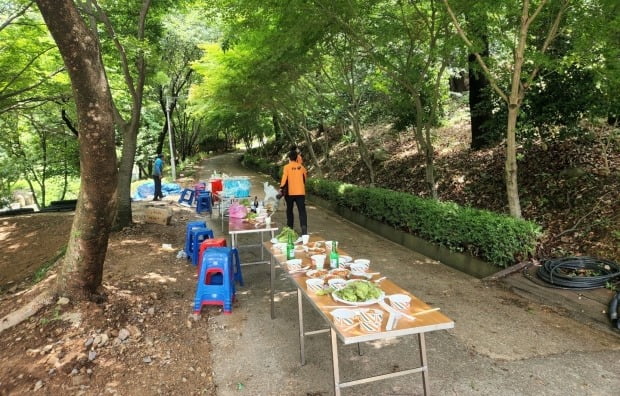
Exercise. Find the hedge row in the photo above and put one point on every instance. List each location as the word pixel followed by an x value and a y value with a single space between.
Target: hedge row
pixel 495 238
pixel 492 237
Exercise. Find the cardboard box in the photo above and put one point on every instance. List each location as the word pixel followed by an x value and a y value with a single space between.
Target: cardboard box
pixel 158 215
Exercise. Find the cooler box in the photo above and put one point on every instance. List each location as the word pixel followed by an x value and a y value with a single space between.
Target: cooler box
pixel 239 187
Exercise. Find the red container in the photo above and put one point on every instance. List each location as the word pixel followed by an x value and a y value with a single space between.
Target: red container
pixel 216 185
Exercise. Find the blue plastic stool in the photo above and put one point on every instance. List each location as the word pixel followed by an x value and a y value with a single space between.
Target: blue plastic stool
pixel 198 235
pixel 187 196
pixel 216 268
pixel 203 202
pixel 216 264
pixel 238 276
pixel 188 237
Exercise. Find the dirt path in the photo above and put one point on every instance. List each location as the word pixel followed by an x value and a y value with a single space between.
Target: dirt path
pixel 502 344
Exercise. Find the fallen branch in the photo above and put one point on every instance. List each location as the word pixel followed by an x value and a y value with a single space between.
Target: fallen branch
pixel 574 227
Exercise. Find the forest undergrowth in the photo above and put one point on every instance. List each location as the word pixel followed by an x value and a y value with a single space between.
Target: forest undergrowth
pixel 569 187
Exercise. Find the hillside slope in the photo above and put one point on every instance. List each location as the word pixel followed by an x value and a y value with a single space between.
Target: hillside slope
pixel 566 187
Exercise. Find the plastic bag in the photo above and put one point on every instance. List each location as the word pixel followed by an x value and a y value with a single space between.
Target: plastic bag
pixel 237 211
pixel 270 192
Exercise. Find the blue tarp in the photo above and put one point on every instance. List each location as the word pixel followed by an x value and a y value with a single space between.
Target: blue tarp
pixel 147 189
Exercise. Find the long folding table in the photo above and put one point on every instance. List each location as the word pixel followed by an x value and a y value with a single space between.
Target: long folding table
pixel 422 324
pixel 238 227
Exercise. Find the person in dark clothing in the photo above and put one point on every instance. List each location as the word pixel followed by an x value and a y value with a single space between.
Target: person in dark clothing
pixel 158 171
pixel 293 183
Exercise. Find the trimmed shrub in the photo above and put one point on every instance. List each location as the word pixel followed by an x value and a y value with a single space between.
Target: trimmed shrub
pixel 496 238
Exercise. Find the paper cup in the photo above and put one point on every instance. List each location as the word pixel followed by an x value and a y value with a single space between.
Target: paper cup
pixel 337 283
pixel 344 317
pixel 370 320
pixel 293 264
pixel 314 284
pixel 305 239
pixel 360 266
pixel 400 301
pixel 267 221
pixel 318 260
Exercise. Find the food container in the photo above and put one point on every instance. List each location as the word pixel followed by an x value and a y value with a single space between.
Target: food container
pixel 339 272
pixel 316 273
pixel 360 265
pixel 343 261
pixel 293 264
pixel 314 284
pixel 337 283
pixel 400 301
pixel 370 320
pixel 344 317
pixel 358 275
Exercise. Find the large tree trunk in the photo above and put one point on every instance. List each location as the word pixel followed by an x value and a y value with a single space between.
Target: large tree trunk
pixel 82 268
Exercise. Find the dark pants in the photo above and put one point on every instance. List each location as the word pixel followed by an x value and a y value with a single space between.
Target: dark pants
pixel 300 201
pixel 157 194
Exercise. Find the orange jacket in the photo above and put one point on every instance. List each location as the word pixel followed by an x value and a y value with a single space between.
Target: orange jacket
pixel 294 176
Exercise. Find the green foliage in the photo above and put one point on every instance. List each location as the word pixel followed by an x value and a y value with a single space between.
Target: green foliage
pixel 496 238
pixel 261 165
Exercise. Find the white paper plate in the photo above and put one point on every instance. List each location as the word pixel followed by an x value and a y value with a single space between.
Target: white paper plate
pixel 359 303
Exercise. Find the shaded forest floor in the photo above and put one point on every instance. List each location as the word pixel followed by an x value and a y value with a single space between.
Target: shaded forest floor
pixel 570 188
pixel 142 341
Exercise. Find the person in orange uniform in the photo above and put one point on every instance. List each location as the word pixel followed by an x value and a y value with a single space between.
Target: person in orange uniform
pixel 293 183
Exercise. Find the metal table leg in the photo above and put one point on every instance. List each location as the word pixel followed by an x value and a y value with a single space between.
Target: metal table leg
pixel 425 382
pixel 272 277
pixel 301 327
pixel 334 339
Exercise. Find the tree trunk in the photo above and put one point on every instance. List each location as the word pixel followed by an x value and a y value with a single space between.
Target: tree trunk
pixel 82 268
pixel 479 106
pixel 311 150
pixel 363 150
pixel 124 216
pixel 512 189
pixel 514 103
pixel 129 128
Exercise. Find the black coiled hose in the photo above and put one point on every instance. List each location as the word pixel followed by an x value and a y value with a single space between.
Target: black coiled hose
pixel 578 272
